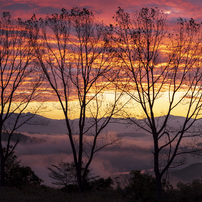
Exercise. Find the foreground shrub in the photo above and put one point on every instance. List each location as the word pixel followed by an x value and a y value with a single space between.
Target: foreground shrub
pixel 142 187
pixel 186 192
pixel 23 176
pixel 101 184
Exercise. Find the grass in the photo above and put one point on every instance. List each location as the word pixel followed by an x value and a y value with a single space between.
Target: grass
pixel 46 194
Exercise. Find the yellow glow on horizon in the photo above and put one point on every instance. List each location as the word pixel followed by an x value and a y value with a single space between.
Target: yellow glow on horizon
pixel 53 109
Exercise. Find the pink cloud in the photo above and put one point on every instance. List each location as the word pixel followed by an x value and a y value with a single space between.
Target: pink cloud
pixel 104 9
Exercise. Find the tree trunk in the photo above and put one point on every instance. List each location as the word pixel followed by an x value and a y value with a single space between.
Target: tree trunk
pixel 158 188
pixel 157 172
pixel 79 180
pixel 2 161
pixel 2 180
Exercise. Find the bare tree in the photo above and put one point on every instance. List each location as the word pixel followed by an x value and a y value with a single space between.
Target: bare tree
pixel 74 54
pixel 63 174
pixel 18 83
pixel 151 74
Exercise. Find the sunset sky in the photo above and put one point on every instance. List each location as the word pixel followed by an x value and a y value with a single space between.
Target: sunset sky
pixel 104 9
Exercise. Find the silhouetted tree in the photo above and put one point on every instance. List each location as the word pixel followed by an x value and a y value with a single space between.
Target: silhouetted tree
pixel 18 83
pixel 74 53
pixel 151 73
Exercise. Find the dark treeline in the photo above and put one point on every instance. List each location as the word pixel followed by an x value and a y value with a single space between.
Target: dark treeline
pixel 72 56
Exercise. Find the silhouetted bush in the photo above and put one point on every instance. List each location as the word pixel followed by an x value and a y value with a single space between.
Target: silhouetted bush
pixel 142 187
pixel 70 188
pixel 17 175
pixel 64 175
pixel 101 184
pixel 187 192
pixel 20 176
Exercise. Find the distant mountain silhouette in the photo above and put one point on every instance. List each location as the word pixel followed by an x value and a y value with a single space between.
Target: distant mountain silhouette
pixel 189 173
pixel 42 125
pixel 39 124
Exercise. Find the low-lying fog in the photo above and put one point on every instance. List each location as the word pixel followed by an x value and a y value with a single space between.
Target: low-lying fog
pixel 48 144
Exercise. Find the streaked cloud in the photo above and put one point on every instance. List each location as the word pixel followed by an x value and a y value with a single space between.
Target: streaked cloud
pixel 103 9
